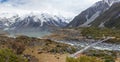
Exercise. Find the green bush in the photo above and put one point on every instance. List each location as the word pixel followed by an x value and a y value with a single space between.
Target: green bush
pixel 6 55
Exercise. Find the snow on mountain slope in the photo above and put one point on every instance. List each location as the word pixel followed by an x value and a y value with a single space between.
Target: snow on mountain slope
pixel 31 20
pixel 91 19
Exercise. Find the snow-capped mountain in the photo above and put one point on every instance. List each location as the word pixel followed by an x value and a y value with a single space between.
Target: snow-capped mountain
pixel 32 21
pixel 89 15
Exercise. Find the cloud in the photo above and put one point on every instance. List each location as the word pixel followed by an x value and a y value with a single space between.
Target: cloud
pixel 61 7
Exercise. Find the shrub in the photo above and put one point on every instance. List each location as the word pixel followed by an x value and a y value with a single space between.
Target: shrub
pixel 6 55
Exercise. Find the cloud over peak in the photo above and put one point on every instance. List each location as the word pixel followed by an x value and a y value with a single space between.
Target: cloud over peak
pixel 66 8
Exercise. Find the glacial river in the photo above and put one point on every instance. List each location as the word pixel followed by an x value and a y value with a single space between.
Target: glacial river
pixel 100 46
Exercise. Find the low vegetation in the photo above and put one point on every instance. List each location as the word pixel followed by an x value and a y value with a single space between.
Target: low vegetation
pixel 98 33
pixel 83 59
pixel 24 46
pixel 96 56
pixel 88 32
pixel 64 34
pixel 107 56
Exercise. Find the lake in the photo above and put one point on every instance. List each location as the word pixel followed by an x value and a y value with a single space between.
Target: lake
pixel 31 34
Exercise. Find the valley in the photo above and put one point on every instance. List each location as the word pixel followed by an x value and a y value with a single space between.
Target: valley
pixel 59 31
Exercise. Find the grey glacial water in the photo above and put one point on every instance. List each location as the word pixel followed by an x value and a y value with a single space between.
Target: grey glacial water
pixel 31 34
pixel 100 46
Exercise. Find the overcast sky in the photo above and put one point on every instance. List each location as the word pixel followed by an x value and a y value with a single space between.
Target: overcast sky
pixel 61 7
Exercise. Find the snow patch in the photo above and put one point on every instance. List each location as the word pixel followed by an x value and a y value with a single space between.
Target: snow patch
pixel 6 24
pixel 91 19
pixel 102 24
pixel 111 2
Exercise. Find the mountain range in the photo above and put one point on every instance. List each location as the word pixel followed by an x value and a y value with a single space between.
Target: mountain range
pixel 32 22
